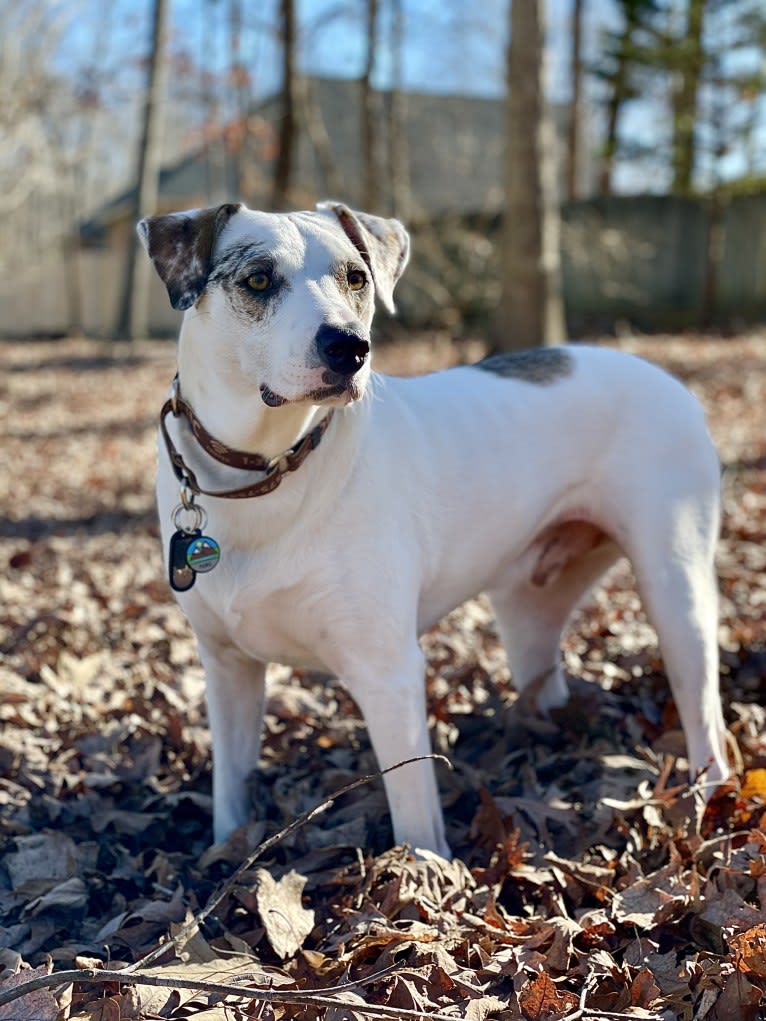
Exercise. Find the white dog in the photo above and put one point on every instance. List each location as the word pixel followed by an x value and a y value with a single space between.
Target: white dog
pixel 353 510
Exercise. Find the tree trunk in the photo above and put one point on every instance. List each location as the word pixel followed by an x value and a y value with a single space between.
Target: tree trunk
pixel 691 59
pixel 284 170
pixel 370 115
pixel 400 199
pixel 531 310
pixel 237 144
pixel 134 305
pixel 619 93
pixel 575 112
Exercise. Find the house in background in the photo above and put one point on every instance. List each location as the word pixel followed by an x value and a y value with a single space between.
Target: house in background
pixel 451 151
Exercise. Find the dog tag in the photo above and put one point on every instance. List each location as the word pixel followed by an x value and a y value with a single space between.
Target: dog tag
pixel 202 554
pixel 180 573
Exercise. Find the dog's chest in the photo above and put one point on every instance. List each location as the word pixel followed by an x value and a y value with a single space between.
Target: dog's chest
pixel 264 607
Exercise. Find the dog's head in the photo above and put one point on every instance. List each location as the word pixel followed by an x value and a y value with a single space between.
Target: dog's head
pixel 287 298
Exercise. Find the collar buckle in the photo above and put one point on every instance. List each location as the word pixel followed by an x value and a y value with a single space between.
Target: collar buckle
pixel 279 464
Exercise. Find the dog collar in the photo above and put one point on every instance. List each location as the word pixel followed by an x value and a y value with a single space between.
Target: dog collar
pixel 275 468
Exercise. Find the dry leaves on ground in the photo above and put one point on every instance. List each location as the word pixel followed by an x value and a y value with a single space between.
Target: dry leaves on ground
pixel 575 886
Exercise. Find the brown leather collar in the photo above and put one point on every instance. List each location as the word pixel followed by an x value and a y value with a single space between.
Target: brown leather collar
pixel 275 467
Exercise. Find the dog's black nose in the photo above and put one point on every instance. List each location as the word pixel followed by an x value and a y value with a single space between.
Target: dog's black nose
pixel 342 351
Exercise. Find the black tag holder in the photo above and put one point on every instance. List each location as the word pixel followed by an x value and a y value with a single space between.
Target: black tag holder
pixel 190 552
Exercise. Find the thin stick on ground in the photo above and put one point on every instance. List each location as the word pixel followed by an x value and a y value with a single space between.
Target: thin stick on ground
pixel 193 925
pixel 283 996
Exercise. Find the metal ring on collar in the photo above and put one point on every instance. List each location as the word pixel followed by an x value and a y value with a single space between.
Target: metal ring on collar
pixel 198 514
pixel 279 464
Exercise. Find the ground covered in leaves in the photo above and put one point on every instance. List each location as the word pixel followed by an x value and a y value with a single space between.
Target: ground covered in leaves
pixel 575 890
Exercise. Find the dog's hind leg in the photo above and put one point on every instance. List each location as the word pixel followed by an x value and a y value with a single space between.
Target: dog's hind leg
pixel 676 579
pixel 236 699
pixel 559 569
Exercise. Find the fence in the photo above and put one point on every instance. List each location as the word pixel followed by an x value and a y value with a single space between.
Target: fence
pixel 656 262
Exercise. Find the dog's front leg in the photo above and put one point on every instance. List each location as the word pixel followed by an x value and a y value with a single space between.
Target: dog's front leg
pixel 236 699
pixel 393 704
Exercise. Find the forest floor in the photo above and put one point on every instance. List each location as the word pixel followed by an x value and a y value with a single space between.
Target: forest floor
pixel 575 891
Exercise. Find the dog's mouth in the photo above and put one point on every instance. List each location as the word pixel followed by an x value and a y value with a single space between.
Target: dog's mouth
pixel 348 387
pixel 271 399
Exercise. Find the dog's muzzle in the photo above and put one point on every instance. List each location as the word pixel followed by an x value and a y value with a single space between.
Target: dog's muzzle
pixel 342 351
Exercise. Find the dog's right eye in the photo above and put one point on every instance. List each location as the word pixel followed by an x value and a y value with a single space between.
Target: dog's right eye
pixel 259 281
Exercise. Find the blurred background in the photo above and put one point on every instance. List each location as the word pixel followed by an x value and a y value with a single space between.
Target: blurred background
pixel 637 188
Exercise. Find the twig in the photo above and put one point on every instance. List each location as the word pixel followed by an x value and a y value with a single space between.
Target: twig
pixel 606 1015
pixel 289 996
pixel 193 925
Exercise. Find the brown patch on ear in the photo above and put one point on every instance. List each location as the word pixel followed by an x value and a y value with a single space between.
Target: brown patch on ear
pixel 383 244
pixel 181 247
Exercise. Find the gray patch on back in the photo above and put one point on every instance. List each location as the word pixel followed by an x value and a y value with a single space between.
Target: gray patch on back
pixel 541 365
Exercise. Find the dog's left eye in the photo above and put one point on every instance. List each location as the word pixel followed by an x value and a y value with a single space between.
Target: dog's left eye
pixel 259 281
pixel 356 279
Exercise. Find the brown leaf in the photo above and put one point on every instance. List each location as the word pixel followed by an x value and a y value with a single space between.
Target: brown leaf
pixel 40 1005
pixel 540 1000
pixel 643 989
pixel 652 900
pixel 564 933
pixel 739 1001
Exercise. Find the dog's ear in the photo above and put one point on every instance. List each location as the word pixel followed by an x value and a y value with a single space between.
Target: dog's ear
pixel 181 247
pixel 383 244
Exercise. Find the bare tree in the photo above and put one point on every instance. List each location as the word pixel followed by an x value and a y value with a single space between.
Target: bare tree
pixel 288 129
pixel 370 114
pixel 690 62
pixel 134 305
pixel 575 111
pixel 531 309
pixel 622 52
pixel 398 168
pixel 238 83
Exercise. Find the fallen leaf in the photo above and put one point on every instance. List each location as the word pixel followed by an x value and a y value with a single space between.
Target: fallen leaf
pixel 739 1001
pixel 41 861
pixel 286 921
pixel 71 895
pixel 541 1000
pixel 754 784
pixel 39 1005
pixel 750 948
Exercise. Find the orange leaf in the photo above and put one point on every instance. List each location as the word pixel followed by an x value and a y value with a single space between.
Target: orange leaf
pixel 540 1000
pixel 754 784
pixel 750 947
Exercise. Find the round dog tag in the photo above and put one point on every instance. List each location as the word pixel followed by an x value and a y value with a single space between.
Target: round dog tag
pixel 202 554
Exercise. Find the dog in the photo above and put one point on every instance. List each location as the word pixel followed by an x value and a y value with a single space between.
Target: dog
pixel 352 511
